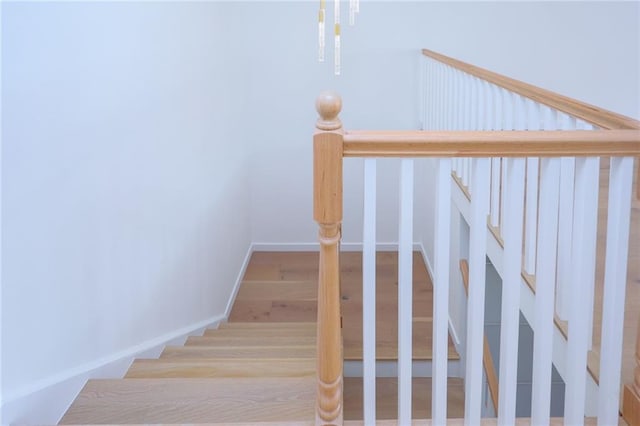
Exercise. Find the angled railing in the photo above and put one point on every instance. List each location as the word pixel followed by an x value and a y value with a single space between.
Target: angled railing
pixel 530 180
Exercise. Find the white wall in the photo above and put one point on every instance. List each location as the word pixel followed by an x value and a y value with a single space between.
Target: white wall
pixel 125 186
pixel 587 50
pixel 127 203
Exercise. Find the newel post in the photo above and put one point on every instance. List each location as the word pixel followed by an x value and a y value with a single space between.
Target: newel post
pixel 327 211
pixel 631 397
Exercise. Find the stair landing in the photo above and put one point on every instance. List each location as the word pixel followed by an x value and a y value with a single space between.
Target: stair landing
pixel 282 286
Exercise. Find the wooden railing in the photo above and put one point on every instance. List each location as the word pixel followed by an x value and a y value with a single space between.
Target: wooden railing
pixel 470 153
pixel 327 211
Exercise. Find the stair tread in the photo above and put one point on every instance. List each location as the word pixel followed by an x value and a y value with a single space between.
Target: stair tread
pixel 239 352
pixel 194 400
pixel 266 325
pixel 281 290
pixel 221 367
pixel 387 398
pixel 260 332
pixel 264 341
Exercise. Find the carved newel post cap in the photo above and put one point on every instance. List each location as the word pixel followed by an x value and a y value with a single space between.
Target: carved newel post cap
pixel 328 105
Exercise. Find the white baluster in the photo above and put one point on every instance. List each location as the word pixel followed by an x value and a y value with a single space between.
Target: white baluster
pixel 565 215
pixel 468 124
pixel 423 92
pixel 450 97
pixel 475 306
pixel 520 107
pixel 615 280
pixel 531 219
pixel 498 113
pixel 488 101
pixel 478 108
pixel 405 287
pixel 428 98
pixel 459 100
pixel 545 285
pixel 458 111
pixel 549 118
pixel 496 94
pixel 518 119
pixel 507 109
pixel 466 103
pixel 441 293
pixel 510 319
pixel 590 289
pixel 369 292
pixel 433 97
pixel 585 223
pixel 441 97
pixel 495 192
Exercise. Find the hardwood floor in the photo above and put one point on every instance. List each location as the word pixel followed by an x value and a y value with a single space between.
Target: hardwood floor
pixel 387 398
pixel 282 286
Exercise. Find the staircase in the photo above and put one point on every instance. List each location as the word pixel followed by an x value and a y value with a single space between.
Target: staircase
pixel 261 365
pixel 282 286
pixel 240 372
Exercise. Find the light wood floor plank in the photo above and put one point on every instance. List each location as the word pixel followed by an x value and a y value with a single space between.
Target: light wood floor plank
pixel 193 401
pixel 240 341
pixel 172 352
pixel 221 367
pixel 387 398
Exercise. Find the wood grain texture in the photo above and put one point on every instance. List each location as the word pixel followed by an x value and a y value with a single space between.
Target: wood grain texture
pixel 289 266
pixel 387 398
pixel 589 113
pixel 631 393
pixel 199 352
pixel 193 401
pixel 631 406
pixel 327 212
pixel 240 341
pixel 249 333
pixel 221 367
pixel 259 326
pixel 512 143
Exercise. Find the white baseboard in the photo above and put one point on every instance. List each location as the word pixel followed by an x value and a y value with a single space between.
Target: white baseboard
pixel 53 395
pixel 236 285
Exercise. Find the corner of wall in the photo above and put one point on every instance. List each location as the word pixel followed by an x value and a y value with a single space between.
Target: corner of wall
pixel 236 286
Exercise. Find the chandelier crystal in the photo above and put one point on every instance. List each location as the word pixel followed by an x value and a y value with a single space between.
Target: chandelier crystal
pixel 354 8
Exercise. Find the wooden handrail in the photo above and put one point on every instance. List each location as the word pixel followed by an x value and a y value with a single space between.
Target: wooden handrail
pixel 575 143
pixel 487 358
pixel 589 113
pixel 327 211
pixel 599 117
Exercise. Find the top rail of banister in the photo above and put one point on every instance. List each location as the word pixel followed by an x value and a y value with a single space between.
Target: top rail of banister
pixel 575 143
pixel 589 113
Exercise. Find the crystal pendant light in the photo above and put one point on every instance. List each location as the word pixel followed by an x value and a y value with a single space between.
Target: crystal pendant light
pixel 336 16
pixel 354 8
pixel 321 38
